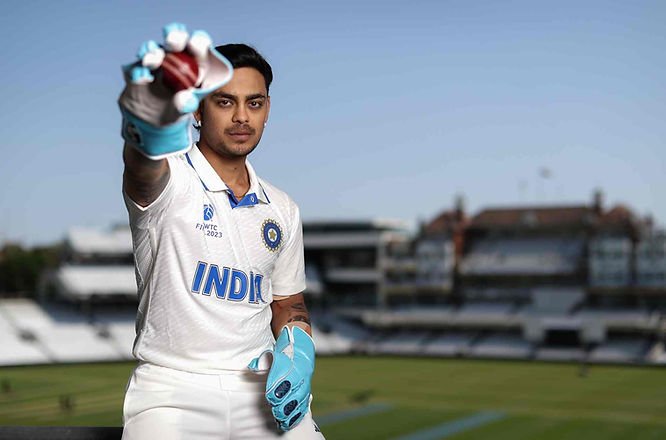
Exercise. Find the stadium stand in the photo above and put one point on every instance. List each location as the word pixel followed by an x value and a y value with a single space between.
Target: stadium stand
pixel 502 345
pixel 84 282
pixel 560 354
pixel 431 317
pixel 33 334
pixel 623 319
pixel 18 346
pixel 555 300
pixel 118 327
pixel 25 314
pixel 406 342
pixel 624 349
pixel 561 283
pixel 487 314
pixel 89 243
pixel 453 343
pixel 656 353
pixel 651 260
pixel 516 256
pixel 75 343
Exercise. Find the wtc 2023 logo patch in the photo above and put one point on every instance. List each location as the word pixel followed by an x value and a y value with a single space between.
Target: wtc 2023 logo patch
pixel 271 233
pixel 208 212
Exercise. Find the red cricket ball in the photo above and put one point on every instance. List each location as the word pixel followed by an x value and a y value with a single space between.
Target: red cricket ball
pixel 180 71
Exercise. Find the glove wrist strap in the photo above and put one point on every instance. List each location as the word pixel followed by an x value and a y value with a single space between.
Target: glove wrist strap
pixel 156 142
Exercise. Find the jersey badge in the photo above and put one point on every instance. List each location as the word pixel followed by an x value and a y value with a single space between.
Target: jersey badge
pixel 208 212
pixel 271 234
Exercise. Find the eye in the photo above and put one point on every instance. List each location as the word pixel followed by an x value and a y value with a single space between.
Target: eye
pixel 224 102
pixel 256 104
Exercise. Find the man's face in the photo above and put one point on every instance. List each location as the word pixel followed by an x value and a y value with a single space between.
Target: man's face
pixel 233 117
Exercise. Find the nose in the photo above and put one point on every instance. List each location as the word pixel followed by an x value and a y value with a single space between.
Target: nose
pixel 241 115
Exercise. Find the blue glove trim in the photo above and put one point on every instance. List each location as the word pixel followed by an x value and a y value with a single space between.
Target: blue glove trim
pixel 156 142
pixel 304 346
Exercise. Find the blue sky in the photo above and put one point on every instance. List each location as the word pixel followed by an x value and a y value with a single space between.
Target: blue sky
pixel 379 109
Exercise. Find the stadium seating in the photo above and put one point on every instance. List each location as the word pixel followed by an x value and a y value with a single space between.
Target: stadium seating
pixel 25 314
pixel 656 354
pixel 18 347
pixel 75 343
pixel 537 256
pixel 32 334
pixel 502 345
pixel 486 314
pixel 625 349
pixel 563 354
pixel 450 344
pixel 35 334
pixel 414 316
pixel 555 300
pixel 331 343
pixel 405 342
pixel 623 318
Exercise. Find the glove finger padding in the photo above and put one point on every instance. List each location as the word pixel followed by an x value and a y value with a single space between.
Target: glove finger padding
pixel 289 377
pixel 289 388
pixel 291 413
pixel 156 119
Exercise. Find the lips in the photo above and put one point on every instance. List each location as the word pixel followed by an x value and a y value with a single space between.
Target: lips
pixel 240 133
pixel 240 136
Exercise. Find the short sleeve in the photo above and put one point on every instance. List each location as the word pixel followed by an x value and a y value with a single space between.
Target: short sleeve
pixel 288 277
pixel 138 214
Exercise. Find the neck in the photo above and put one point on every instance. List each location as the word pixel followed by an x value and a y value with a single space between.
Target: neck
pixel 231 170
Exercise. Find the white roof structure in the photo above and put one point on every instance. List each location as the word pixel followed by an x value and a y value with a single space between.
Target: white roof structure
pixel 96 241
pixel 84 281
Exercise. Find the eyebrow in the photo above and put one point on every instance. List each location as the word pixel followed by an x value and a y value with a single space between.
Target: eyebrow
pixel 235 98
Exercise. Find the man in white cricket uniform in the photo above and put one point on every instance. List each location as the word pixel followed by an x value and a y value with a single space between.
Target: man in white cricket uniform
pixel 220 272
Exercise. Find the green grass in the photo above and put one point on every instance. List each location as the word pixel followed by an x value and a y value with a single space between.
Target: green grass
pixel 540 401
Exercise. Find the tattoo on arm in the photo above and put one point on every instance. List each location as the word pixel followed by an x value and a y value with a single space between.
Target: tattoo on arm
pixel 299 306
pixel 290 311
pixel 299 318
pixel 145 193
pixel 143 179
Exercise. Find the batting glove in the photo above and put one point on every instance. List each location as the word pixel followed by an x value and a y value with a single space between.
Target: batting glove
pixel 156 120
pixel 289 377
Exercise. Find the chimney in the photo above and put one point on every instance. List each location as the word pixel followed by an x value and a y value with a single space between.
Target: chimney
pixel 598 201
pixel 459 204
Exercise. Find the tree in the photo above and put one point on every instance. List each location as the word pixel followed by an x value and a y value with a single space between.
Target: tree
pixel 20 268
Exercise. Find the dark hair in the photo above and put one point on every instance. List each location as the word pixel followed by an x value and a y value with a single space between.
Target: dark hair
pixel 242 55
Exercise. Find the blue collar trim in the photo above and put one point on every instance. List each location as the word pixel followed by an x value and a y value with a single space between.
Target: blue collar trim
pixel 187 156
pixel 250 199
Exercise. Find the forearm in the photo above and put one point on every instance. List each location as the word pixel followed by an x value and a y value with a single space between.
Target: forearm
pixel 143 179
pixel 290 311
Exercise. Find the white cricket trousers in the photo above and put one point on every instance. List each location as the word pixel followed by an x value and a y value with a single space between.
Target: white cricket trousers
pixel 166 404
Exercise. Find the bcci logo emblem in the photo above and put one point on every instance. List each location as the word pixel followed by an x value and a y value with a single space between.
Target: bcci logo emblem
pixel 272 235
pixel 208 212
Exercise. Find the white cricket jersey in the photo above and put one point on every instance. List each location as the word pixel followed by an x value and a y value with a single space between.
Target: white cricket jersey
pixel 208 265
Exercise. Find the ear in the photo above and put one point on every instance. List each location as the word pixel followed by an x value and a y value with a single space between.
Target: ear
pixel 198 113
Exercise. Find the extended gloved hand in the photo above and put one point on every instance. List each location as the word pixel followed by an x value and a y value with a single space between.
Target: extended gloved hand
pixel 289 377
pixel 156 119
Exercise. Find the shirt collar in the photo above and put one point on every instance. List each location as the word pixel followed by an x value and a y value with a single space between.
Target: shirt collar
pixel 212 182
